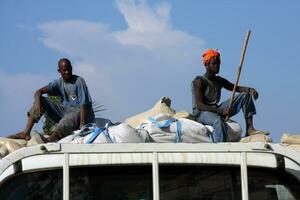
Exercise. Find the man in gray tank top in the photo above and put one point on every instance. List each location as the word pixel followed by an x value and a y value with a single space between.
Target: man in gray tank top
pixel 206 94
pixel 74 111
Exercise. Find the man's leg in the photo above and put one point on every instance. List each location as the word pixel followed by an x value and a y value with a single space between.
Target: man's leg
pixel 217 122
pixel 68 123
pixel 25 133
pixel 54 110
pixel 245 102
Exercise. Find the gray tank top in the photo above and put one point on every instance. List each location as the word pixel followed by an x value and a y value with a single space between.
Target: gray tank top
pixel 212 93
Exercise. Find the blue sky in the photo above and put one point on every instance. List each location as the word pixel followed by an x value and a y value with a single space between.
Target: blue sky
pixel 133 52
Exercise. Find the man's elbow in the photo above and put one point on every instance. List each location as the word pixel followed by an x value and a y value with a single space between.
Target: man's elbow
pixel 38 93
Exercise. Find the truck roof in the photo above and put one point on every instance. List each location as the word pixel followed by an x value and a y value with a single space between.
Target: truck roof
pixel 53 156
pixel 189 153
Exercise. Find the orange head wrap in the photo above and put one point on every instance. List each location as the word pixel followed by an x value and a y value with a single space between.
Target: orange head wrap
pixel 208 55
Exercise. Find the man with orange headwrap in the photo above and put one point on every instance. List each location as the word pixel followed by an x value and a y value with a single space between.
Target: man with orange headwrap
pixel 206 91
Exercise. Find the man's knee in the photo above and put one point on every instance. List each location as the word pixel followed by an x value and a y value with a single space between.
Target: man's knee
pixel 218 121
pixel 45 103
pixel 245 95
pixel 32 112
pixel 62 130
pixel 68 124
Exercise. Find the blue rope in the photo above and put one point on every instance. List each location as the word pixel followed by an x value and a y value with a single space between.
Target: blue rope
pixel 167 123
pixel 178 131
pixel 106 133
pixel 163 124
pixel 95 134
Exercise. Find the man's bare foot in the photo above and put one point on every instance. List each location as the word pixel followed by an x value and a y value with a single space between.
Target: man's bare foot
pixel 20 135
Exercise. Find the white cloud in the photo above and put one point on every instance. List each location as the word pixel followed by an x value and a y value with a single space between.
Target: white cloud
pixel 128 70
pixel 150 28
pixel 141 18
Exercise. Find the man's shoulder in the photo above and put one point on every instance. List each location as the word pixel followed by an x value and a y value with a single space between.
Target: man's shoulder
pixel 78 78
pixel 198 77
pixel 79 81
pixel 220 78
pixel 57 81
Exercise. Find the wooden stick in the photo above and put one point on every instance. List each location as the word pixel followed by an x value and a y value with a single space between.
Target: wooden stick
pixel 239 70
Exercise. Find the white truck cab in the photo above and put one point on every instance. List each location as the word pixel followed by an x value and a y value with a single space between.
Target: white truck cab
pixel 146 171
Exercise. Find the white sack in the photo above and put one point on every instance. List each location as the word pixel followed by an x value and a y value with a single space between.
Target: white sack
pixel 118 133
pixel 290 138
pixel 192 131
pixel 123 133
pixel 234 130
pixel 162 106
pixel 8 145
pixel 256 138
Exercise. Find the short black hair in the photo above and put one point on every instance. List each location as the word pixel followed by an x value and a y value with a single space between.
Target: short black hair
pixel 64 60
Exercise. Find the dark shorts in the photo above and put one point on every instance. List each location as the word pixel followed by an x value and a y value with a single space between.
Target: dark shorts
pixel 67 118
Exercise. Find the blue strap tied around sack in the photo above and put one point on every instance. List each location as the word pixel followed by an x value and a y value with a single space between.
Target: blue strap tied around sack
pixel 167 123
pixel 106 133
pixel 163 124
pixel 98 131
pixel 211 138
pixel 178 131
pixel 85 130
pixel 94 134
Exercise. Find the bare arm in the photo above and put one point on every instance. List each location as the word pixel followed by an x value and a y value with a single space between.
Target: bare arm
pixel 229 86
pixel 83 114
pixel 37 99
pixel 249 90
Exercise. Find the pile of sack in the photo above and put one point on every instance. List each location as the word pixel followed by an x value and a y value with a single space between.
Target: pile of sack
pixel 160 124
pixel 290 140
pixel 10 145
pixel 165 125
